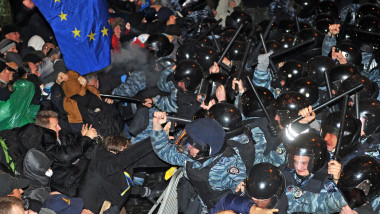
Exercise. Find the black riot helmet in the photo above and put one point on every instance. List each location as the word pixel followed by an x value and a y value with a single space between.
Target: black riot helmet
pixel 236 18
pixel 308 87
pixel 187 50
pixel 369 115
pixel 265 181
pixel 287 26
pixel 274 32
pixel 159 44
pixel 351 131
pixel 291 70
pixel 286 40
pixel 310 33
pixel 271 45
pixel 371 24
pixel 312 145
pixel 206 56
pixel 249 104
pixel 205 134
pixel 314 48
pixel 368 9
pixel 359 180
pixel 351 52
pixel 227 35
pixel 340 73
pixel 322 25
pixel 190 72
pixel 316 67
pixel 328 7
pixel 369 90
pixel 229 117
pixel 302 25
pixel 306 8
pixel 206 41
pixel 236 52
pixel 287 106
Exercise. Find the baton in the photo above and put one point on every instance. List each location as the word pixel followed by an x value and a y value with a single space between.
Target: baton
pixel 229 44
pixel 328 86
pixel 332 100
pixel 259 100
pixel 130 99
pixel 213 26
pixel 185 121
pixel 341 129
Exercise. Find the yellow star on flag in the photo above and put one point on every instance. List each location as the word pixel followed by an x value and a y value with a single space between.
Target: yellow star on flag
pixel 57 1
pixel 104 31
pixel 63 16
pixel 76 32
pixel 109 21
pixel 91 36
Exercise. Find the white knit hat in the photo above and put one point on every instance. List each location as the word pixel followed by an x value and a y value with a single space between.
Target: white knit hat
pixel 36 42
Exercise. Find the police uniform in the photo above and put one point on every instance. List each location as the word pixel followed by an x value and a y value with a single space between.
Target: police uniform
pixel 316 194
pixel 212 177
pixel 276 157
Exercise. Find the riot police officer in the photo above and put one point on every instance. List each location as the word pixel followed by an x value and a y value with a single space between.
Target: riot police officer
pixel 237 135
pixel 264 188
pixel 351 133
pixel 360 186
pixel 213 168
pixel 308 186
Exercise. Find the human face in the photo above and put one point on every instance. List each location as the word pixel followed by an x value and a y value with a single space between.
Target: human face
pixel 262 203
pixel 15 36
pixel 277 118
pixel 331 141
pixel 117 31
pixel 192 151
pixel 172 20
pixel 34 69
pixel 12 49
pixel 17 193
pixel 182 86
pixel 300 165
pixel 53 125
pixel 6 75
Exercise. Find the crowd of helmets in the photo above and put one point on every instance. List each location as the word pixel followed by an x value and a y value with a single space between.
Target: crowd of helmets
pixel 285 65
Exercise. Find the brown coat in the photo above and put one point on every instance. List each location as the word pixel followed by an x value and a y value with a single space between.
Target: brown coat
pixel 72 87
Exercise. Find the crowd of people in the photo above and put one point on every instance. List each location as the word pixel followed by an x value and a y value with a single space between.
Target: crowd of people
pixel 266 106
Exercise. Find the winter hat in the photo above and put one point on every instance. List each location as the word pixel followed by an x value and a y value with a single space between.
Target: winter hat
pixel 10 29
pixel 32 58
pixel 5 45
pixel 206 131
pixel 117 21
pixel 9 183
pixel 164 13
pixel 14 57
pixel 150 14
pixel 36 42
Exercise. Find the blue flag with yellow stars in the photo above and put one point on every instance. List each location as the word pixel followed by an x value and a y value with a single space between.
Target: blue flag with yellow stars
pixel 82 30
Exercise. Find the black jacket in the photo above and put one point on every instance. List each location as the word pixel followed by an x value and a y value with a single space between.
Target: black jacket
pixel 105 179
pixel 70 154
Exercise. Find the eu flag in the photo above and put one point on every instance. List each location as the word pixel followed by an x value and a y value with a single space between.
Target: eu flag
pixel 82 30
